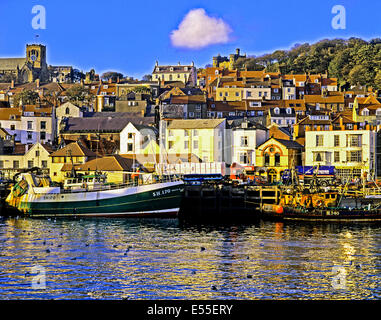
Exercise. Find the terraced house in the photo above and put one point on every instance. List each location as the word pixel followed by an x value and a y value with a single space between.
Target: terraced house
pixel 352 152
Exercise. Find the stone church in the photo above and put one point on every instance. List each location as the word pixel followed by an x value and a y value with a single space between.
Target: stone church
pixel 28 69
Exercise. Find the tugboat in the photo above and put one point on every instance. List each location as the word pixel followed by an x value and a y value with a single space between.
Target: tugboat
pixel 37 196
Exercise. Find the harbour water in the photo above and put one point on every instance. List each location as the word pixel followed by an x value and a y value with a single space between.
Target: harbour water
pixel 171 259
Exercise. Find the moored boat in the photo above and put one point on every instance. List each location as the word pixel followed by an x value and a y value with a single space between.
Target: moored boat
pixel 37 196
pixel 322 206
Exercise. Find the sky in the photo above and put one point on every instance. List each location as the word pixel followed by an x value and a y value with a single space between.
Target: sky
pixel 128 36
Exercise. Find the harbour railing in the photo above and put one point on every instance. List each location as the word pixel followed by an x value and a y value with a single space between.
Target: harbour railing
pixel 140 181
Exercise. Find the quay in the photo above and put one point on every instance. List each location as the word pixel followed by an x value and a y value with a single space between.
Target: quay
pixel 229 201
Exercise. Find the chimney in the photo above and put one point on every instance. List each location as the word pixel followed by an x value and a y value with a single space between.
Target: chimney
pixel 38 83
pixel 110 80
pixel 12 84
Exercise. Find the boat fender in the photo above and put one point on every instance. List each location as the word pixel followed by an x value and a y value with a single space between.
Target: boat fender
pixel 279 209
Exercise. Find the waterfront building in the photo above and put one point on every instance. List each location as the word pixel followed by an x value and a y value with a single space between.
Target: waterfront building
pixel 25 156
pixel 203 138
pixel 351 150
pixel 73 153
pixel 275 155
pixel 244 140
pixel 117 168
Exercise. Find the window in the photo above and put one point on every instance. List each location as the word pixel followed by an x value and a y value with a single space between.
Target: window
pixel 276 90
pixel 170 144
pixel 130 135
pixel 67 110
pixel 319 141
pixel 336 140
pixel 267 159
pixel 243 158
pixel 13 127
pixel 130 147
pixel 37 153
pixel 318 156
pixel 186 144
pixel 195 144
pixel 30 163
pixel 195 132
pixel 30 125
pixel 42 135
pixel 354 156
pixel 248 93
pixel 277 159
pixel 1 164
pixel 354 140
pixel 16 164
pixel 337 156
pixel 44 163
pixel 244 141
pixel 29 135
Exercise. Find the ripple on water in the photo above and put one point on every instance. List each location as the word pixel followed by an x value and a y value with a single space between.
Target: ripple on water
pixel 161 259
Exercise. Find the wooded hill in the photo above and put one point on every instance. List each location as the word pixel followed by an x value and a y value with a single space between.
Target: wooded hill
pixel 353 61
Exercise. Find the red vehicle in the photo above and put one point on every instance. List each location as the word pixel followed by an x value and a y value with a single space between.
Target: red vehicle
pixel 245 174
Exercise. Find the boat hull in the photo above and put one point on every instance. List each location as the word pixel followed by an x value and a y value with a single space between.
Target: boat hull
pixel 154 200
pixel 326 214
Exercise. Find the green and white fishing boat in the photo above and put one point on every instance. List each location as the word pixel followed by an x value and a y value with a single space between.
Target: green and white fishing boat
pixel 36 196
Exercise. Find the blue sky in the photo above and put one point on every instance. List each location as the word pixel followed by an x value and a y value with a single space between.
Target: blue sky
pixel 128 36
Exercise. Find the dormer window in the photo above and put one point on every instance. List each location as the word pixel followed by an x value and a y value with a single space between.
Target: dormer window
pixel 92 87
pixel 105 86
pixel 157 69
pixel 185 68
pixel 276 110
pixel 171 69
pixel 12 117
pixel 288 110
pixel 365 112
pixel 378 112
pixel 216 72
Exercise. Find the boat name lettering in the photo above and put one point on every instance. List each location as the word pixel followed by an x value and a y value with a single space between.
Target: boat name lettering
pixel 161 192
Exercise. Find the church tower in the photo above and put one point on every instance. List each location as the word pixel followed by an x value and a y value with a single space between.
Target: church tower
pixel 35 65
pixel 36 55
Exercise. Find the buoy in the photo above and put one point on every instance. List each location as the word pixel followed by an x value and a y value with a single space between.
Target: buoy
pixel 279 209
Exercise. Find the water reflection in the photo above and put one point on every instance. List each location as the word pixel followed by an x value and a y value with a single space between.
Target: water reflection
pixel 168 259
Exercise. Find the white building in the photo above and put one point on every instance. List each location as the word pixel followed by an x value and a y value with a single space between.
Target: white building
pixel 352 152
pixel 29 124
pixel 244 141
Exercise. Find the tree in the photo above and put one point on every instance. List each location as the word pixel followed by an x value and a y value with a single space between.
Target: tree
pixel 377 80
pixel 111 75
pixel 78 75
pixel 358 75
pixel 147 77
pixel 8 77
pixel 77 93
pixel 26 97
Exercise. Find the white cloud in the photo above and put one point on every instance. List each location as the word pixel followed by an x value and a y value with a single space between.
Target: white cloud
pixel 198 30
